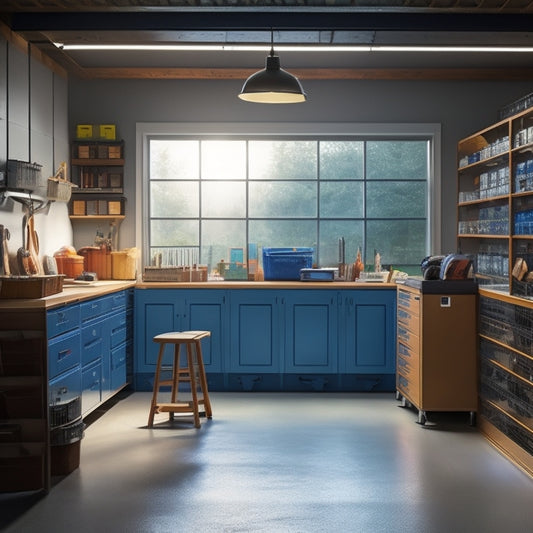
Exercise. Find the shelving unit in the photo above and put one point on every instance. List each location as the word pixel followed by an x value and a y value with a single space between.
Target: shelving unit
pixel 495 203
pixel 98 171
pixel 495 227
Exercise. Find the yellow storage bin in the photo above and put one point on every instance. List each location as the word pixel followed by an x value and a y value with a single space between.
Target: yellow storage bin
pixel 124 264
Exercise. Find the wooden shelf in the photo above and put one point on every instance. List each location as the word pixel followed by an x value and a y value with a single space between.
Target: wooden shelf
pixel 98 162
pixel 97 217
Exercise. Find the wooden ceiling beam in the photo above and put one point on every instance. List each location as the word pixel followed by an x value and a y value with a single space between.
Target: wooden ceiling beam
pixel 482 74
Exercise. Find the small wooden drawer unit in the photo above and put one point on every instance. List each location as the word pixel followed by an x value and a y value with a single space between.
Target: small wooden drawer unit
pixel 436 346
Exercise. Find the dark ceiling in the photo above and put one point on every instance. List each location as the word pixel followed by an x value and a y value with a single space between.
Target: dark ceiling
pixel 308 22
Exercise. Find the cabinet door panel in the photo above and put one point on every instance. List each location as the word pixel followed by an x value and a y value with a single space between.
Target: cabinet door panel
pixel 311 331
pixel 370 332
pixel 206 311
pixel 254 332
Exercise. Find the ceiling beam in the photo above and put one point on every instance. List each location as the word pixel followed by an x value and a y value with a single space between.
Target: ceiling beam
pixel 258 19
pixel 499 74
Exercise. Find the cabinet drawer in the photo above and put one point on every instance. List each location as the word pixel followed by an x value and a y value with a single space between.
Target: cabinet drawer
pixel 65 388
pixel 92 342
pixel 409 320
pixel 95 308
pixel 408 338
pixel 407 362
pixel 119 300
pixel 118 367
pixel 91 383
pixel 63 353
pixel 409 388
pixel 118 325
pixel 409 301
pixel 61 320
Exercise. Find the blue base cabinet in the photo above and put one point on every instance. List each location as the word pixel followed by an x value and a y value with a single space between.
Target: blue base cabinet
pixel 160 311
pixel 276 339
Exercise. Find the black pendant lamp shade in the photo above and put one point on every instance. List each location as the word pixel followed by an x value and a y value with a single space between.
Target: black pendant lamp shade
pixel 272 85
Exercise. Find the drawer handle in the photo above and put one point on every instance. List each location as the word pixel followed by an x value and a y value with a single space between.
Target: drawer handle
pixel 63 353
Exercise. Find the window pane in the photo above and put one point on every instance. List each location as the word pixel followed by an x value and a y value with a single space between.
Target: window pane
pixel 178 199
pixel 341 199
pixel 218 236
pixel 341 160
pixel 330 232
pixel 283 199
pixel 226 199
pixel 223 160
pixel 399 242
pixel 396 199
pixel 283 233
pixel 172 159
pixel 399 160
pixel 282 160
pixel 174 233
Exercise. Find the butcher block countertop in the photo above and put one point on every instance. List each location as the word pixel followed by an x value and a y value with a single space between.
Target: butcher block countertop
pixel 265 285
pixel 70 294
pixel 78 293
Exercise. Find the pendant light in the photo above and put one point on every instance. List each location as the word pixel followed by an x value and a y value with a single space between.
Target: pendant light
pixel 272 85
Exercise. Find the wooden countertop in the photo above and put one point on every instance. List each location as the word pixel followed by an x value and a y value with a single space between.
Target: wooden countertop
pixel 265 285
pixel 70 294
pixel 79 293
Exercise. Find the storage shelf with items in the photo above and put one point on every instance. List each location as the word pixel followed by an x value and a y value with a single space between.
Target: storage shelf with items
pixel 98 171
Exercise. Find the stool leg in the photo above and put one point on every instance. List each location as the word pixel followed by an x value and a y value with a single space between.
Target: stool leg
pixel 175 378
pixel 153 405
pixel 194 392
pixel 203 379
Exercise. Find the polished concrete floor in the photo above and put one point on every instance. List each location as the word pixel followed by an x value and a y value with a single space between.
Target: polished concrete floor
pixel 269 462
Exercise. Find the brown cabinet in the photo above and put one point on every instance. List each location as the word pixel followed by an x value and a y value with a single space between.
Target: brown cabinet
pixel 436 348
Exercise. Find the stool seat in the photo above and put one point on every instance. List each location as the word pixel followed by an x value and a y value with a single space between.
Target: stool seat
pixel 193 372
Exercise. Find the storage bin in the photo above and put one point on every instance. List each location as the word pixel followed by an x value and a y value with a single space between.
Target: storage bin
pixel 284 264
pixel 124 264
pixel 71 266
pixel 30 287
pixel 23 175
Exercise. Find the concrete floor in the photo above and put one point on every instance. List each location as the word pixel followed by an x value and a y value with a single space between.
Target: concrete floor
pixel 269 462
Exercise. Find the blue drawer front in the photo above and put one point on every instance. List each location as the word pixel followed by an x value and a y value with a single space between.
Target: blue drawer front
pixel 118 367
pixel 65 388
pixel 91 382
pixel 92 342
pixel 118 300
pixel 95 308
pixel 61 320
pixel 118 326
pixel 63 353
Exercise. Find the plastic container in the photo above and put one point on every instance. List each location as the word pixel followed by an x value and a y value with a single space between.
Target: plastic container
pixel 284 264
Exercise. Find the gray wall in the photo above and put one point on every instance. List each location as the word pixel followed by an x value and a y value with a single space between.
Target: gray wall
pixel 33 127
pixel 460 107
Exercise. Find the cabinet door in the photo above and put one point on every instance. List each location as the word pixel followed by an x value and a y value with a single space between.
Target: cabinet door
pixel 255 331
pixel 370 331
pixel 156 311
pixel 205 309
pixel 311 327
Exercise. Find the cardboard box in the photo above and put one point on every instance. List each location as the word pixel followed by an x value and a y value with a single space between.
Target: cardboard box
pixel 115 207
pixel 115 151
pixel 78 207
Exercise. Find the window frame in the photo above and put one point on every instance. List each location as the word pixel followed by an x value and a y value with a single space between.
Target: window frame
pixel 359 131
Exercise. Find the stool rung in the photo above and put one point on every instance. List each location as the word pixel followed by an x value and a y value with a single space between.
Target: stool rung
pixel 182 407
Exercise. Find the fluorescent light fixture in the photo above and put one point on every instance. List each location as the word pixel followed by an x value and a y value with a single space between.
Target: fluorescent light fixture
pixel 294 48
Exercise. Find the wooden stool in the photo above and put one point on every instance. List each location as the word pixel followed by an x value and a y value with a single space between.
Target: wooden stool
pixel 193 373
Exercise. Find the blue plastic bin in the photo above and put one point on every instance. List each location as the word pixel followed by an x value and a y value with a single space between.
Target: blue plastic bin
pixel 284 264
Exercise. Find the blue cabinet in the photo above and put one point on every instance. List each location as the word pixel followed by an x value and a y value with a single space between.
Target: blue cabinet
pixel 369 331
pixel 310 319
pixel 255 331
pixel 276 339
pixel 159 311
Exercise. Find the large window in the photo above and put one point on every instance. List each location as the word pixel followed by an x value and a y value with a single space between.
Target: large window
pixel 210 197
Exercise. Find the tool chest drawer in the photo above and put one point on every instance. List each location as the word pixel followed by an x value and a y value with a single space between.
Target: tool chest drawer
pixel 63 353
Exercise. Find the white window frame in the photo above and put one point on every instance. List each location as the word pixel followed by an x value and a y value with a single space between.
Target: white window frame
pixel 431 131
